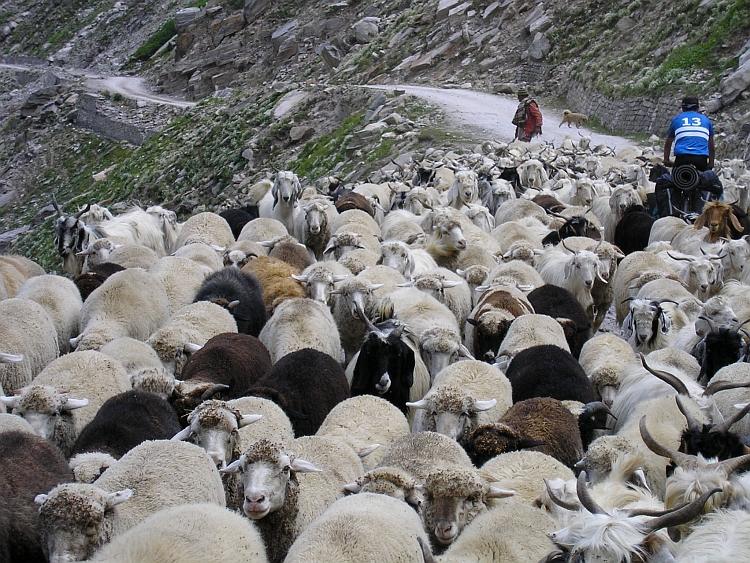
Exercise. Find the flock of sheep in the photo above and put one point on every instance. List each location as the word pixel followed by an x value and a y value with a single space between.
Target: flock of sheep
pixel 398 372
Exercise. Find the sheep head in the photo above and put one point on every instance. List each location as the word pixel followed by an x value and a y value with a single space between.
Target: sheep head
pixel 41 406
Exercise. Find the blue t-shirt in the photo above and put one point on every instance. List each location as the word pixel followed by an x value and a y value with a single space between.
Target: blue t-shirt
pixel 691 131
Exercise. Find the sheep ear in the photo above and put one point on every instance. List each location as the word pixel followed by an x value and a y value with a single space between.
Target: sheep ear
pixel 302 466
pixel 233 467
pixel 249 419
pixel 480 406
pixel 568 268
pixel 191 347
pixel 183 434
pixel 700 222
pixel 39 499
pixel 497 492
pixel 349 487
pixel 331 245
pixel 421 404
pixel 118 497
pixel 72 404
pixel 9 402
pixel 74 341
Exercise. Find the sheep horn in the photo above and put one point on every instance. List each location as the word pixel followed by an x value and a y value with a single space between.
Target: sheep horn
pixel 692 422
pixel 426 553
pixel 558 501
pixel 666 377
pixel 681 515
pixel 211 391
pixel 716 386
pixel 585 496
pixel 681 459
pixel 56 206
pixel 679 258
pixel 727 424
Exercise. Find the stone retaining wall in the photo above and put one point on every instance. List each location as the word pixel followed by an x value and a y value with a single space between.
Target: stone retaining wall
pixel 88 117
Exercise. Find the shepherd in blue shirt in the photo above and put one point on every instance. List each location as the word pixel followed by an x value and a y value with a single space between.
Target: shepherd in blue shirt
pixel 693 136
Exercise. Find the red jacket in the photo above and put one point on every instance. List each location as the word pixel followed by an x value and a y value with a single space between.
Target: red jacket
pixel 534 119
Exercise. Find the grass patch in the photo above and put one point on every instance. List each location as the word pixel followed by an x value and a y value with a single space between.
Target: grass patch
pixel 320 156
pixel 154 43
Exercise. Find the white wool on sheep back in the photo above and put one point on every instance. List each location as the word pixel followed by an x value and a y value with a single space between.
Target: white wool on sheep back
pixel 635 270
pixel 206 227
pixel 721 537
pixel 364 527
pixel 263 228
pixel 532 330
pixel 202 254
pixel 28 342
pixel 129 303
pixel 364 421
pixel 133 256
pixel 152 476
pixel 273 426
pixel 61 299
pixel 87 375
pixel 603 358
pixel 191 533
pixel 14 271
pixel 299 323
pixel 181 277
pixel 13 423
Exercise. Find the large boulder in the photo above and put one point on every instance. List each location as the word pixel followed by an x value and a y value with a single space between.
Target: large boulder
pixel 739 81
pixel 183 19
pixel 253 8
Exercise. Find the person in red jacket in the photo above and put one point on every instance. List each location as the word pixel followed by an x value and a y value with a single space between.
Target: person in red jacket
pixel 528 118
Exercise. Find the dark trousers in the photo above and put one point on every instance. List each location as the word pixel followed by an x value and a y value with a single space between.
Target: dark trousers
pixel 699 161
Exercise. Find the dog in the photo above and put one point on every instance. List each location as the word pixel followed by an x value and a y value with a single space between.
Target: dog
pixel 570 117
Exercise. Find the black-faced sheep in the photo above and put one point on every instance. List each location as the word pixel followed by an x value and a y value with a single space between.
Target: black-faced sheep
pixel 542 424
pixel 548 371
pixel 29 465
pixel 306 384
pixel 215 534
pixel 224 368
pixel 28 342
pixel 240 293
pixel 76 519
pixel 126 420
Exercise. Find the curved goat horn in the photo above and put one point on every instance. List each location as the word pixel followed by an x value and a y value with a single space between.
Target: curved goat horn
pixel 211 391
pixel 692 422
pixel 729 466
pixel 566 247
pixel 365 319
pixel 595 407
pixel 716 386
pixel 56 206
pixel 585 496
pixel 727 424
pixel 558 501
pixel 681 459
pixel 683 514
pixel 666 377
pixel 82 211
pixel 679 257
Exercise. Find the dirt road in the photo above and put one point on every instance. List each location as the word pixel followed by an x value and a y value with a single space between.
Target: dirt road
pixel 489 115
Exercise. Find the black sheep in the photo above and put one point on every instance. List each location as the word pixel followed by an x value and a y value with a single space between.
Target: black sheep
pixel 239 217
pixel 29 465
pixel 306 384
pixel 711 440
pixel 633 229
pixel 573 227
pixel 353 200
pixel 548 371
pixel 385 365
pixel 716 350
pixel 240 292
pixel 226 366
pixel 559 303
pixel 96 276
pixel 126 420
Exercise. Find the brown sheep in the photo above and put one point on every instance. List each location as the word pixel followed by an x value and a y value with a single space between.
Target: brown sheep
pixel 721 221
pixel 275 276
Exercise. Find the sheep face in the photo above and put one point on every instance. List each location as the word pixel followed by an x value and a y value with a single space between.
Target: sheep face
pixel 466 181
pixel 397 255
pixel 267 473
pixel 73 520
pixel 319 284
pixel 734 254
pixel 42 406
pixel 451 236
pixel 391 481
pixel 343 242
pixel 315 217
pixel 440 347
pixel 622 198
pixel 452 412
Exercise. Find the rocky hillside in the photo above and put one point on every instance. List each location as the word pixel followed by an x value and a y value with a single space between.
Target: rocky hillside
pixel 274 84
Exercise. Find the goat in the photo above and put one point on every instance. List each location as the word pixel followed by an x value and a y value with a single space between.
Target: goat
pixel 279 202
pixel 574 271
pixel 721 219
pixel 648 325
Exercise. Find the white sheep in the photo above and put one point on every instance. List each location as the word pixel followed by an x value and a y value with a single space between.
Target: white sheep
pixel 313 224
pixel 463 396
pixel 448 288
pixel 363 422
pixel 78 518
pixel 603 358
pixel 207 228
pixel 665 229
pixel 515 274
pixel 531 330
pixel 263 228
pixel 215 534
pixel 713 315
pixel 404 259
pixel 129 303
pixel 274 425
pixel 28 342
pixel 365 527
pixel 651 325
pixel 181 278
pixel 299 323
pixel 187 330
pixel 575 272
pixel 358 259
pixel 280 202
pixel 532 174
pixel 703 275
pixel 241 252
pixel 609 210
pixel 352 298
pixel 14 271
pixel 67 394
pixel 321 278
pixel 207 256
pixel 142 364
pixel 515 208
pixel 88 467
pixel 728 391
pixel 635 270
pixel 133 256
pixel 13 423
pixel 387 278
pixel 402 225
pixel 433 323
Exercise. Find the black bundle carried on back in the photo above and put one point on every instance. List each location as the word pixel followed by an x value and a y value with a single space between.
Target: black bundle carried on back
pixel 685 192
